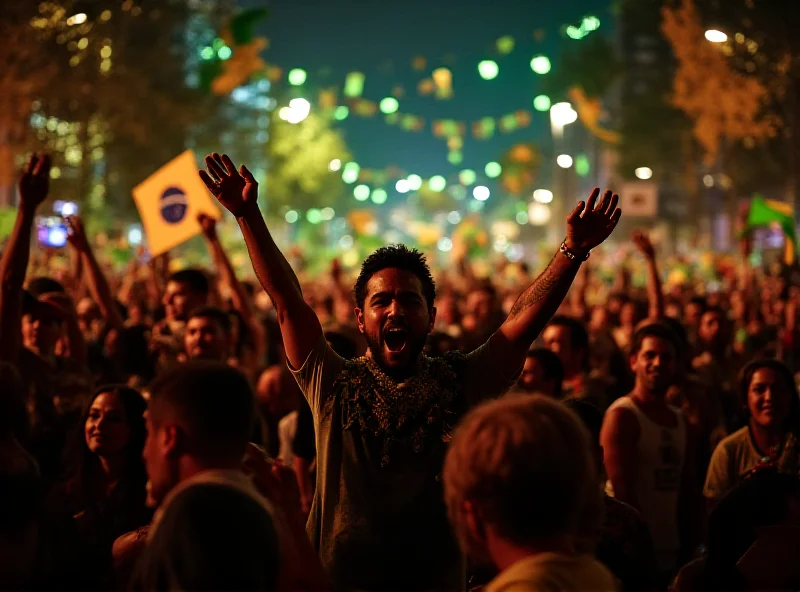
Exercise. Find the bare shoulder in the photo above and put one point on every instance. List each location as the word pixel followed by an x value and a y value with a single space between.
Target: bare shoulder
pixel 620 424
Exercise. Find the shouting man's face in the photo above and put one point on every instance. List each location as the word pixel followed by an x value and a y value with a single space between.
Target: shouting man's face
pixel 395 319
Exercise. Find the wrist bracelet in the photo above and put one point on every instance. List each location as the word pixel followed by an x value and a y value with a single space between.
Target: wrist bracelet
pixel 572 255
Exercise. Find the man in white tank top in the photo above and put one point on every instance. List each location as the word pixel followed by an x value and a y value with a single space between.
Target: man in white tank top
pixel 647 459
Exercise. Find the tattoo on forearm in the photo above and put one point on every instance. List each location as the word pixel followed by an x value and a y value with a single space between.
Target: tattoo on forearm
pixel 535 292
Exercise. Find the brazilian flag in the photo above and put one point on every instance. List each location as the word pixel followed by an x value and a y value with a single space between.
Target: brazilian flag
pixel 765 212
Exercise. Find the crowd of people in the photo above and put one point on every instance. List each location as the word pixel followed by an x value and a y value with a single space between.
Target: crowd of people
pixel 423 430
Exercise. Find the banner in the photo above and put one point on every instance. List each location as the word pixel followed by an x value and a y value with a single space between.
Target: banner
pixel 169 202
pixel 639 199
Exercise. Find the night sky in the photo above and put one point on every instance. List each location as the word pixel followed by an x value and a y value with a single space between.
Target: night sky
pixel 380 39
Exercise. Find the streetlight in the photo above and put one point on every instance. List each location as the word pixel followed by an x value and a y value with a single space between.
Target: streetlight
pixel 716 36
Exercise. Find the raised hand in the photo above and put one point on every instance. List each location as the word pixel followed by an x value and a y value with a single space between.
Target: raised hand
pixel 236 190
pixel 644 244
pixel 34 183
pixel 77 235
pixel 208 225
pixel 591 223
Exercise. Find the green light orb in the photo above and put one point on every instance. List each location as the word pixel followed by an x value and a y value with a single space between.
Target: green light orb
pixel 522 218
pixel 350 172
pixel 542 103
pixel 574 32
pixel 488 69
pixel 225 52
pixel 541 64
pixel 291 216
pixel 437 183
pixel 378 196
pixel 467 177
pixel 493 169
pixel 361 192
pixel 207 53
pixel 582 166
pixel 389 105
pixel 341 112
pixel 455 157
pixel 414 182
pixel 297 76
pixel 505 45
pixel 591 23
pixel 314 216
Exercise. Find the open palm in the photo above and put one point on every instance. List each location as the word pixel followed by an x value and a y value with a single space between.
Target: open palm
pixel 236 190
pixel 591 223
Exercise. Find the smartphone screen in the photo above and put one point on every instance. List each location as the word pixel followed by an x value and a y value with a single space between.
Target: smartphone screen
pixel 51 231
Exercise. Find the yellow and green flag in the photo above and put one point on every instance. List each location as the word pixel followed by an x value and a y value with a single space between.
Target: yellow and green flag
pixel 765 212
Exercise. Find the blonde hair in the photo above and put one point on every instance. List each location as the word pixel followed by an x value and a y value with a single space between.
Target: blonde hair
pixel 525 464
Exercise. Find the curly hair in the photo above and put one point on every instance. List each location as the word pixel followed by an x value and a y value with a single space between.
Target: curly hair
pixel 398 257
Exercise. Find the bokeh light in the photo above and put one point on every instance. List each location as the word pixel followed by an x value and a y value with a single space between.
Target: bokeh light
pixel 335 165
pixel 351 172
pixel 493 169
pixel 414 182
pixel 541 64
pixel 544 196
pixel 541 103
pixel 481 193
pixel 378 196
pixel 297 77
pixel 341 112
pixel 437 183
pixel 389 105
pixel 361 192
pixel 467 177
pixel 644 173
pixel 582 165
pixel 292 216
pixel 488 69
pixel 564 161
pixel 402 186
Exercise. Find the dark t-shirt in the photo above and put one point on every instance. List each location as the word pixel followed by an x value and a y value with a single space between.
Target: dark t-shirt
pixel 378 518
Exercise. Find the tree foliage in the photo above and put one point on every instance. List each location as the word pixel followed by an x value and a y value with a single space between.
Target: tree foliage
pixel 298 157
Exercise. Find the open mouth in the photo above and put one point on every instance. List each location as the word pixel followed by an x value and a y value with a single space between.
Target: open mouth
pixel 395 339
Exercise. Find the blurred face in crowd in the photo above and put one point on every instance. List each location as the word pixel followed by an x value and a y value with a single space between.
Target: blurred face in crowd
pixel 480 304
pixel 395 319
pixel 106 427
pixel 179 301
pixel 533 379
pixel 673 311
pixel 599 320
pixel 205 339
pixel 693 312
pixel 627 315
pixel 710 329
pixel 40 332
pixel 738 307
pixel 89 317
pixel 159 455
pixel 768 399
pixel 654 365
pixel 558 340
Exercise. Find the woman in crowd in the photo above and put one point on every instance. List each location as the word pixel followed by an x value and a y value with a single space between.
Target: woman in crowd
pixel 107 491
pixel 768 395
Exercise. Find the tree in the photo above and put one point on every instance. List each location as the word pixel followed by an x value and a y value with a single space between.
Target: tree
pixel 298 157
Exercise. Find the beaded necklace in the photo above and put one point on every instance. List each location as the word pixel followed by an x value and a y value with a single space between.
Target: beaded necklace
pixel 407 417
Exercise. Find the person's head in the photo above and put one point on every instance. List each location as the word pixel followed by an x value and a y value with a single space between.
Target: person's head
pixel 482 302
pixel 693 311
pixel 654 358
pixel 768 395
pixel 673 309
pixel 186 290
pixel 542 373
pixel 599 319
pixel 208 335
pixel 519 470
pixel 39 286
pixel 42 323
pixel 567 338
pixel 199 417
pixel 113 425
pixel 711 330
pixel 394 296
pixel 211 537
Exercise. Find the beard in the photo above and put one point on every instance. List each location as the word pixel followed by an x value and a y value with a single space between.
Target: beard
pixel 413 348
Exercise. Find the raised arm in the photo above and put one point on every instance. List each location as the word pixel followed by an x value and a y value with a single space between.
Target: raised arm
pixel 227 275
pixel 34 184
pixel 98 283
pixel 588 225
pixel 238 192
pixel 655 294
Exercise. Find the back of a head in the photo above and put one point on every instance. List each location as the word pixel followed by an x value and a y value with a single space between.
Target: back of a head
pixel 526 464
pixel 579 336
pixel 44 285
pixel 196 280
pixel 211 537
pixel 213 401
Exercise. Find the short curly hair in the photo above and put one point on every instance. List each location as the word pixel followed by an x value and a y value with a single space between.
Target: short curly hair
pixel 398 257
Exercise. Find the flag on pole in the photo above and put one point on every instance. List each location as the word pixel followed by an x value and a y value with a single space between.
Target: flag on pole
pixel 169 202
pixel 764 212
